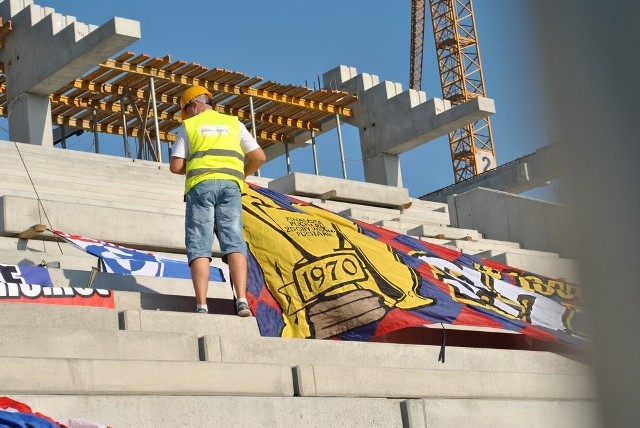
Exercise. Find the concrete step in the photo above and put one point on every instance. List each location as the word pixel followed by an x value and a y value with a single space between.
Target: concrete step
pixel 235 348
pixel 41 315
pixel 344 190
pixel 132 377
pixel 129 300
pixel 396 226
pixel 446 232
pixel 335 206
pixel 428 205
pixel 370 216
pixel 143 411
pixel 157 177
pixel 74 342
pixel 98 195
pixel 447 243
pixel 102 223
pixel 552 267
pixel 27 151
pixel 198 324
pixel 424 383
pixel 474 247
pixel 525 252
pixel 482 413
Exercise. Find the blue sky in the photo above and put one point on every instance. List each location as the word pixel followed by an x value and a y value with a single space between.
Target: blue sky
pixel 295 41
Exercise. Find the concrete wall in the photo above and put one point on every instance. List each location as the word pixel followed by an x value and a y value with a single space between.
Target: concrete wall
pixel 535 224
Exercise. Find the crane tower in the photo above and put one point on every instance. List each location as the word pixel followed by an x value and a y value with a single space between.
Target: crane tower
pixel 461 77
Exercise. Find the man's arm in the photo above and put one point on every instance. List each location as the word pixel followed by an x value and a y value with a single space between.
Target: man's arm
pixel 256 158
pixel 178 165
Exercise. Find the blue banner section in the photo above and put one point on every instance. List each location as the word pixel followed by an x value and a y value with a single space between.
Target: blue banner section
pixel 12 274
pixel 128 261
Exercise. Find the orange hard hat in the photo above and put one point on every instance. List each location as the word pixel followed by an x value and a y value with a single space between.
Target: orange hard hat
pixel 189 94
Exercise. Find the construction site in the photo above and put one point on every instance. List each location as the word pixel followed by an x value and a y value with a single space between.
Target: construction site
pixel 372 307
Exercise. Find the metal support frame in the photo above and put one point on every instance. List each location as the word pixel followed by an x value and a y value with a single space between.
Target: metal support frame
pixel 125 135
pixel 342 160
pixel 253 126
pixel 96 136
pixel 156 127
pixel 315 152
pixel 63 137
pixel 287 157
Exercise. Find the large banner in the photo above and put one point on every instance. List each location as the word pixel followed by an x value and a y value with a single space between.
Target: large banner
pixel 316 274
pixel 128 261
pixel 32 284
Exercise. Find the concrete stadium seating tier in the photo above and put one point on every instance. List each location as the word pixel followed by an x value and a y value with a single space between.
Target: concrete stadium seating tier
pixel 151 362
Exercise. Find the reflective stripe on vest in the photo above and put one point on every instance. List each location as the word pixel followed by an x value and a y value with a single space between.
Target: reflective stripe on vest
pixel 214 149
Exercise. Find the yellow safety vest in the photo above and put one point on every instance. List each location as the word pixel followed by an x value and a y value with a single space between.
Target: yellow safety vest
pixel 214 149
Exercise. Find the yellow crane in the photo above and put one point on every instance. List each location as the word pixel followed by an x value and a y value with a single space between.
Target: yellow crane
pixel 461 78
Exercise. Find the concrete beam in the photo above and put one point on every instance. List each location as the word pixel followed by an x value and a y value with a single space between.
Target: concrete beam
pixel 392 121
pixel 525 173
pixel 405 129
pixel 346 190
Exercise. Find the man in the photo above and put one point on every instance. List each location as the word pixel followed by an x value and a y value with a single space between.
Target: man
pixel 210 149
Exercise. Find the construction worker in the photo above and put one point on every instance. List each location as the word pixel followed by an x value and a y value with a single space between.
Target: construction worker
pixel 210 149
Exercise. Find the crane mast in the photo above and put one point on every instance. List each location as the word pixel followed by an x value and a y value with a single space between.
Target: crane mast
pixel 461 79
pixel 417 41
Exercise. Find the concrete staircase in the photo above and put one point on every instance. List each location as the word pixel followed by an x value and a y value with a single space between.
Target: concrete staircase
pixel 151 362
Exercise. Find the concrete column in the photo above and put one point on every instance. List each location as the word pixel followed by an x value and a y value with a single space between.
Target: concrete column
pixel 383 169
pixel 30 120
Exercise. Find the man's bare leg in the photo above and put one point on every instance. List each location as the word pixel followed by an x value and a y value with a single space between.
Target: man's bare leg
pixel 200 277
pixel 238 272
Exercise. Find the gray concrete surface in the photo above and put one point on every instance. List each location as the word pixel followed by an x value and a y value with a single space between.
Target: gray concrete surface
pixel 535 224
pixel 245 349
pixel 345 190
pixel 518 176
pixel 93 343
pixel 444 231
pixel 39 315
pixel 418 383
pixel 371 216
pixel 197 324
pixel 453 413
pixel 552 267
pixel 392 121
pixel 132 377
pixel 63 48
pixel 224 411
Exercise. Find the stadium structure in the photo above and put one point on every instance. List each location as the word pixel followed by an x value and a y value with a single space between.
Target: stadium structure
pixel 147 360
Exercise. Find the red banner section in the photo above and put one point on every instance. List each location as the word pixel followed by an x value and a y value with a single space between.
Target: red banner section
pixel 29 293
